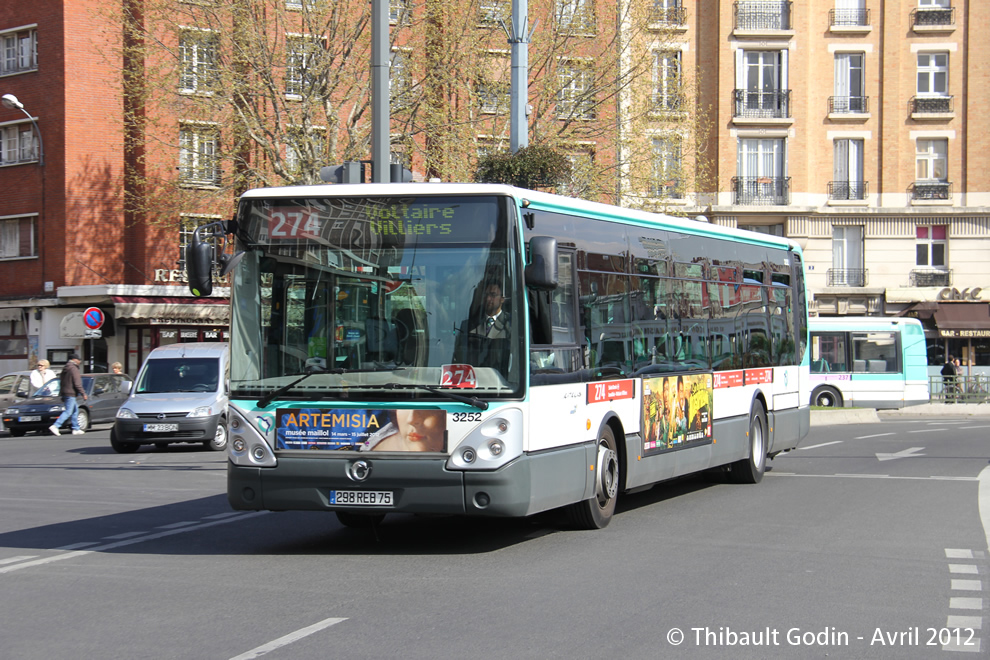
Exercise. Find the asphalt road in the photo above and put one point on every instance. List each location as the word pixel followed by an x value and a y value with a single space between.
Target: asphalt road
pixel 868 542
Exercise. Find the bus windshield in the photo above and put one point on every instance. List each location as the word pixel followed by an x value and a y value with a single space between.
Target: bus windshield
pixel 377 294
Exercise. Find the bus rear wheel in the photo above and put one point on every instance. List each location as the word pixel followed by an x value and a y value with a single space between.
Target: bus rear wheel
pixel 750 470
pixel 827 397
pixel 596 513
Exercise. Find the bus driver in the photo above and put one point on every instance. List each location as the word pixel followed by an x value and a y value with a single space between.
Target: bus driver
pixel 483 339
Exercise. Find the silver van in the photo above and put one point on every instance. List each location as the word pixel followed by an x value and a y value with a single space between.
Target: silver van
pixel 180 395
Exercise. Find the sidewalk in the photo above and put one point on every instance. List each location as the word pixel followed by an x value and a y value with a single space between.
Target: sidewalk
pixel 871 416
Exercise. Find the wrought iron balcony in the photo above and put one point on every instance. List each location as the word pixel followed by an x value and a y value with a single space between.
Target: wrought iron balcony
pixel 849 190
pixel 762 190
pixel 939 17
pixel 928 190
pixel 847 277
pixel 930 277
pixel 660 15
pixel 848 17
pixel 841 105
pixel 774 104
pixel 930 105
pixel 758 15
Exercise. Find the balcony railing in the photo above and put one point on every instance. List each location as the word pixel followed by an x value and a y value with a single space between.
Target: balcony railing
pixel 940 17
pixel 762 15
pixel 763 105
pixel 847 277
pixel 931 190
pixel 930 105
pixel 762 190
pixel 670 189
pixel 660 102
pixel 926 277
pixel 667 15
pixel 843 105
pixel 848 190
pixel 848 17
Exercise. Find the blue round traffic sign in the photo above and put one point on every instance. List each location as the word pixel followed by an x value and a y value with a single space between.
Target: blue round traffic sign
pixel 93 318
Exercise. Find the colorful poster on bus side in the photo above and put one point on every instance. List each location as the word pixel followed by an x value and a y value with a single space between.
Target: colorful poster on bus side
pixel 677 412
pixel 402 430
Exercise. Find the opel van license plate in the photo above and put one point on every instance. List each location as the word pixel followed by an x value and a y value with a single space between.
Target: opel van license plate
pixel 160 428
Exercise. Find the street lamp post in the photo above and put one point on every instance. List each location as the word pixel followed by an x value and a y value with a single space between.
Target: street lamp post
pixel 10 101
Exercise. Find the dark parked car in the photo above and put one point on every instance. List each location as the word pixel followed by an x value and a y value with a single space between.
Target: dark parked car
pixel 105 392
pixel 13 387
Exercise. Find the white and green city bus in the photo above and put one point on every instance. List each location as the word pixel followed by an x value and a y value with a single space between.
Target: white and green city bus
pixel 868 362
pixel 492 351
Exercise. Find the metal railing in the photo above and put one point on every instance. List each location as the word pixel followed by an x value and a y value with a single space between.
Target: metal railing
pixel 667 15
pixel 774 104
pixel 847 277
pixel 929 190
pixel 931 277
pixel 848 104
pixel 934 17
pixel 660 102
pixel 931 104
pixel 762 15
pixel 959 389
pixel 850 17
pixel 762 190
pixel 848 190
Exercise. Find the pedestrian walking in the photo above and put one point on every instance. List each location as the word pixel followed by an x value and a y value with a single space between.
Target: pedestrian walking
pixel 950 377
pixel 70 386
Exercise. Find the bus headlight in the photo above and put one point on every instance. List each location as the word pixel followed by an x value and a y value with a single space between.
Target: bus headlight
pixel 490 445
pixel 248 447
pixel 239 444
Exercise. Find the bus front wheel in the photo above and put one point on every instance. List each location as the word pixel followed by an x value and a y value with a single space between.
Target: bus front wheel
pixel 596 513
pixel 750 470
pixel 827 397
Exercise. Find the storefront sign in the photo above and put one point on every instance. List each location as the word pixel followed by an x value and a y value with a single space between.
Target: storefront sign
pixel 963 334
pixel 949 293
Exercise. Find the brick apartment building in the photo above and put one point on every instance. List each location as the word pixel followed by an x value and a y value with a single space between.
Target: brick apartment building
pixel 855 127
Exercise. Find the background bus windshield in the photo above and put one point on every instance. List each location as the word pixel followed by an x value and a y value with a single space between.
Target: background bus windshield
pixel 376 291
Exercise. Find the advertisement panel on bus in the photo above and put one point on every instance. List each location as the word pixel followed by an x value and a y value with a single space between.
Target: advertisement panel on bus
pixel 677 412
pixel 406 429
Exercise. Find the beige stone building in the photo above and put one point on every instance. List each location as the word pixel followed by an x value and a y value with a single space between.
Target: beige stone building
pixel 859 128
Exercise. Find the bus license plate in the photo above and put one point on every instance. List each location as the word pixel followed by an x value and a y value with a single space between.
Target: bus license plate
pixel 361 497
pixel 30 418
pixel 160 428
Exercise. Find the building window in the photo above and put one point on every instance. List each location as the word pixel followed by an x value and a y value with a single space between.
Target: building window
pixel 490 12
pixel 400 80
pixel 582 174
pixel 18 237
pixel 187 225
pixel 302 66
pixel 576 16
pixel 493 87
pixel 847 172
pixel 933 74
pixel 931 170
pixel 199 149
pixel 299 4
pixel 931 246
pixel 667 12
pixel 762 15
pixel 849 96
pixel 847 257
pixel 199 54
pixel 666 81
pixel 771 230
pixel 398 11
pixel 850 12
pixel 18 144
pixel 667 168
pixel 575 100
pixel 761 84
pixel 305 151
pixel 761 167
pixel 20 51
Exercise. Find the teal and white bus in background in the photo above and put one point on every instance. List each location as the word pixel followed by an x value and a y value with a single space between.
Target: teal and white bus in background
pixel 868 362
pixel 493 351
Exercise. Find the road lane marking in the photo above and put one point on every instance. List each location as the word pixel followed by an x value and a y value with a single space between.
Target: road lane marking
pixel 76 546
pixel 960 603
pixel 967 569
pixel 824 444
pixel 958 553
pixel 956 621
pixel 904 453
pixel 288 639
pixel 12 560
pixel 184 523
pixel 983 500
pixel 967 585
pixel 928 430
pixel 875 435
pixel 125 535
pixel 969 428
pixel 775 473
pixel 131 541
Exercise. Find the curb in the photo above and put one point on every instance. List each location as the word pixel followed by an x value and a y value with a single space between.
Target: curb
pixel 844 416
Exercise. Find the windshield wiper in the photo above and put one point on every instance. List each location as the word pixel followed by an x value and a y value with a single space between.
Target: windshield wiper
pixel 470 400
pixel 268 398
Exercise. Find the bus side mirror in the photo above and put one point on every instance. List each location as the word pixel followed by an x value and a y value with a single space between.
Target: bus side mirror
pixel 541 272
pixel 199 264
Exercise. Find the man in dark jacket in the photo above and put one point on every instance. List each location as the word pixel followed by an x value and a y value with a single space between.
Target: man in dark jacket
pixel 70 386
pixel 950 385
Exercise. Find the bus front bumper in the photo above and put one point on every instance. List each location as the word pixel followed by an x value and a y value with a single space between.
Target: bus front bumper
pixel 417 485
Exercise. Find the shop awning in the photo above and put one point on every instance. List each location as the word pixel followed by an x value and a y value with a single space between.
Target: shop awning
pixel 963 319
pixel 171 311
pixel 11 314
